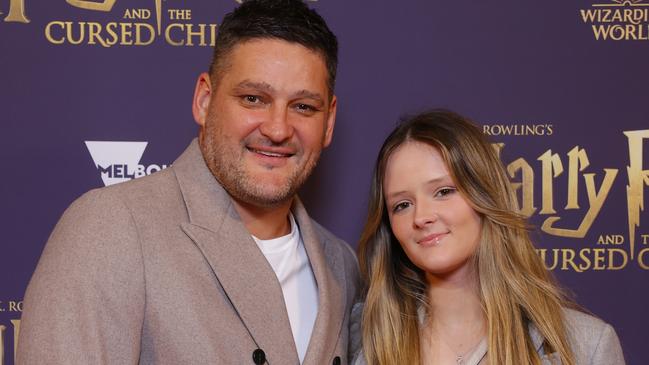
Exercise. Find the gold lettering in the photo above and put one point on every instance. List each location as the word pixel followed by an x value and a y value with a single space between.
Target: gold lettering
pixel 138 34
pixel 610 239
pixel 94 30
pixel 498 147
pixel 638 179
pixel 607 14
pixel 526 185
pixel 568 257
pixel 584 257
pixel 180 14
pixel 168 35
pixel 2 344
pixel 106 5
pixel 137 14
pixel 191 33
pixel 645 238
pixel 641 258
pixel 577 162
pixel 158 15
pixel 48 32
pixel 82 32
pixel 126 40
pixel 111 30
pixel 551 167
pixel 212 35
pixel 596 201
pixel 485 130
pixel 542 252
pixel 16 12
pixel 16 323
pixel 611 261
pixel 600 258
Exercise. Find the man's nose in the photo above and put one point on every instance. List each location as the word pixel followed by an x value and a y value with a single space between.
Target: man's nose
pixel 277 126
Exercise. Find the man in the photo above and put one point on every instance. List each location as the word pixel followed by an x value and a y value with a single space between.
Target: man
pixel 213 260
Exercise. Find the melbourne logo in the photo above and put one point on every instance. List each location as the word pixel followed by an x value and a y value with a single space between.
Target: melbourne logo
pixel 120 161
pixel 618 20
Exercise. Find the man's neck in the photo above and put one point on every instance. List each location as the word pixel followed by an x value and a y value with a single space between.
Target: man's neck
pixel 265 222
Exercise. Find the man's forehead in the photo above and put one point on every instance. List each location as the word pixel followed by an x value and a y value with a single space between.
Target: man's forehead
pixel 272 64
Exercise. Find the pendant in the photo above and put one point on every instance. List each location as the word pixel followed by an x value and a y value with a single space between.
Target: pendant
pixel 459 359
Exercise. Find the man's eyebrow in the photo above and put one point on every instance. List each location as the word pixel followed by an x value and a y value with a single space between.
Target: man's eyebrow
pixel 308 95
pixel 248 84
pixel 266 87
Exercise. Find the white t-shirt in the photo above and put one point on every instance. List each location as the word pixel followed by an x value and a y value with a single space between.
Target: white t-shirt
pixel 288 259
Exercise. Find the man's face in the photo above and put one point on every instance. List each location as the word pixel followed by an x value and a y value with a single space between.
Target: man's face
pixel 266 121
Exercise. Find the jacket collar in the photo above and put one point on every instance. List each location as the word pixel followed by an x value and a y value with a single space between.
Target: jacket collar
pixel 246 276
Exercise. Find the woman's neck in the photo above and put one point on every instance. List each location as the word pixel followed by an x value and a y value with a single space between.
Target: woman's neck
pixel 455 322
pixel 454 300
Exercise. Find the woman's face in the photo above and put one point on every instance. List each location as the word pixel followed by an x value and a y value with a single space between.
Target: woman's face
pixel 435 225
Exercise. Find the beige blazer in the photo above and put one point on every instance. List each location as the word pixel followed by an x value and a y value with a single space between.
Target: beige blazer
pixel 592 341
pixel 161 270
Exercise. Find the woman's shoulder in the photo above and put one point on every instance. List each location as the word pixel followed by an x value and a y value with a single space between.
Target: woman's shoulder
pixel 593 341
pixel 579 323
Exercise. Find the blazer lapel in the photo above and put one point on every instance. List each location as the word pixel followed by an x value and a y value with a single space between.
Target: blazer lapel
pixel 239 266
pixel 537 341
pixel 328 268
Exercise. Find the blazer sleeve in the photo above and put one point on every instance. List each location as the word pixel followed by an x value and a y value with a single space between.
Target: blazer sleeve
pixel 355 335
pixel 608 350
pixel 85 301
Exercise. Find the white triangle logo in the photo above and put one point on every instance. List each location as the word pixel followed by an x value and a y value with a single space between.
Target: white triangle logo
pixel 116 161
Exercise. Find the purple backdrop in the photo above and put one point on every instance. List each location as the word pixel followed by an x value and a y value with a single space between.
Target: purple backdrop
pixel 557 83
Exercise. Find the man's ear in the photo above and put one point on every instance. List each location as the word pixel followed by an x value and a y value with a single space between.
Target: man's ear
pixel 331 121
pixel 202 97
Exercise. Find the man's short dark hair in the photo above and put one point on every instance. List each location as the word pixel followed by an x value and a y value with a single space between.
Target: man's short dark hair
pixel 289 20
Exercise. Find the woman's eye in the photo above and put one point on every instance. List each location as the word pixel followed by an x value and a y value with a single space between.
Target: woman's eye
pixel 400 206
pixel 445 192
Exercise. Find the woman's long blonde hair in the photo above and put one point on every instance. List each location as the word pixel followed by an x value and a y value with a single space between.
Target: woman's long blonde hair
pixel 515 289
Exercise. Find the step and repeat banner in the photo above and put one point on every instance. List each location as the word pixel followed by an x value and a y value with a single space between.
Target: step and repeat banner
pixel 94 93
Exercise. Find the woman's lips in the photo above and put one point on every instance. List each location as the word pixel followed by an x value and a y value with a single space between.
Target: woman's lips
pixel 431 239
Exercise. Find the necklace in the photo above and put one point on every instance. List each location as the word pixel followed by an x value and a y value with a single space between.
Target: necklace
pixel 461 357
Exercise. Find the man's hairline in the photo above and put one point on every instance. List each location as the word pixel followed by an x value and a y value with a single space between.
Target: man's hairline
pixel 218 68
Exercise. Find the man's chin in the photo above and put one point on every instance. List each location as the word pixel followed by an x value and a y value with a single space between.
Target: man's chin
pixel 267 200
pixel 266 195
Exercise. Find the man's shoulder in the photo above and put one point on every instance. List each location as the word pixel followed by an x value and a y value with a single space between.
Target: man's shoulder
pixel 145 189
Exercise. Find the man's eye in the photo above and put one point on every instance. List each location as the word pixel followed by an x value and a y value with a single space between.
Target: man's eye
pixel 305 108
pixel 252 99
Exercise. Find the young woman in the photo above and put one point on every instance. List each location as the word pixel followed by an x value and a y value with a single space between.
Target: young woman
pixel 450 272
